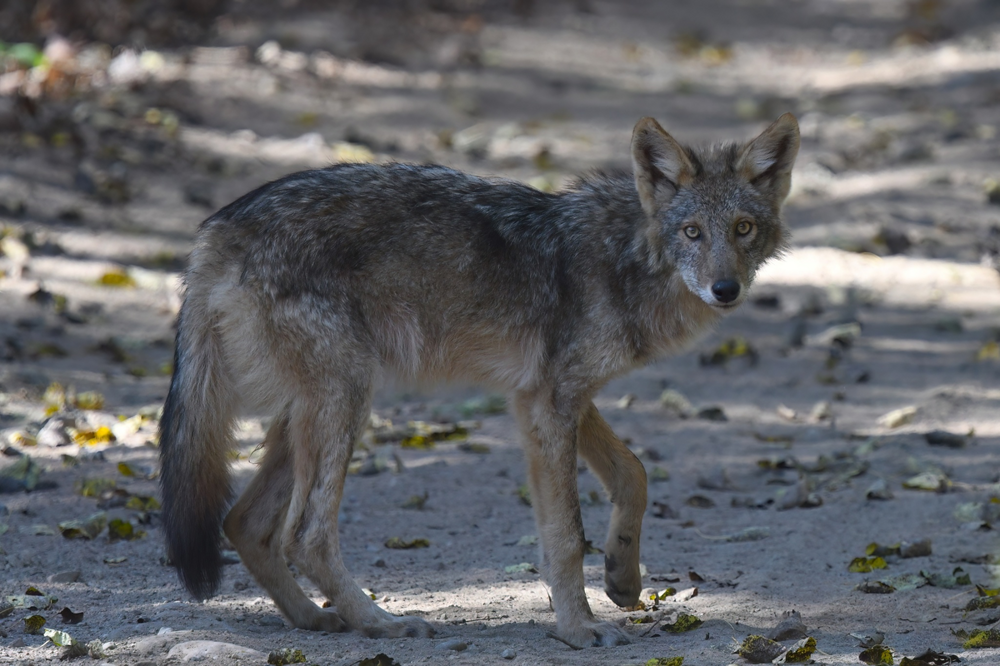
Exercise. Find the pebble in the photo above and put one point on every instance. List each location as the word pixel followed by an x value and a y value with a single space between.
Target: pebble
pixel 65 577
pixel 54 432
pixel 508 654
pixel 212 651
pixel 454 644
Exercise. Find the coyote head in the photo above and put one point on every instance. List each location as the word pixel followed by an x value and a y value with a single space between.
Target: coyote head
pixel 714 215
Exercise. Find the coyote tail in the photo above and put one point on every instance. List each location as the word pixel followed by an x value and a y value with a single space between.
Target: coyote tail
pixel 196 436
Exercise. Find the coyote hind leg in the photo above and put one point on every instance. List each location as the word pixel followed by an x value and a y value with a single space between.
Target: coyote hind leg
pixel 254 527
pixel 323 426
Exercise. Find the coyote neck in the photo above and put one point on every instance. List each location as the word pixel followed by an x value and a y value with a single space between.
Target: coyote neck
pixel 658 313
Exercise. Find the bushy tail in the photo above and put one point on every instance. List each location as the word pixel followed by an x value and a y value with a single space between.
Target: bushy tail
pixel 196 435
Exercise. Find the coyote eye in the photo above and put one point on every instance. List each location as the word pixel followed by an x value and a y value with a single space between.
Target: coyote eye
pixel 743 227
pixel 692 231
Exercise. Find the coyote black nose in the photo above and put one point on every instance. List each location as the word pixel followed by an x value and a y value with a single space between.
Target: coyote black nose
pixel 726 290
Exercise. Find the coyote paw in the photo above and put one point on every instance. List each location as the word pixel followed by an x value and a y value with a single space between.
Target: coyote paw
pixel 399 627
pixel 594 634
pixel 325 621
pixel 622 581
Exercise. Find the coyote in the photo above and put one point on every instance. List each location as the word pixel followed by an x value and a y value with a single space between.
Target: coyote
pixel 302 293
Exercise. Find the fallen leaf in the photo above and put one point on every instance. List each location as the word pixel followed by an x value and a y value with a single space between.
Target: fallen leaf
pixel 980 638
pixel 759 650
pixel 69 617
pixel 286 656
pixel 33 624
pixel 416 501
pixel 800 651
pixel 675 402
pixel 101 435
pixel 142 503
pixel 473 447
pixel 486 405
pixel 662 596
pixel 944 438
pixel 89 400
pixel 88 528
pixel 866 564
pixel 875 587
pixel 990 351
pixel 700 502
pixel 920 548
pixel 875 550
pixel 523 567
pixel 983 603
pixel 684 622
pixel 400 544
pixel 95 487
pixel 22 474
pixel 39 530
pixel 732 348
pixel 59 638
pixel 381 659
pixel 123 529
pixel 930 481
pixel 665 661
pixel 905 582
pixel 930 658
pixel 117 277
pixel 898 417
pixel 877 656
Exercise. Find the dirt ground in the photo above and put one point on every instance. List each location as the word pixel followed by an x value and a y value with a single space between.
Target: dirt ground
pixel 771 467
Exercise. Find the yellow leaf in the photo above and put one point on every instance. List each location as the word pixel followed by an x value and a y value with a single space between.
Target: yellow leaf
pixel 989 352
pixel 89 400
pixel 116 278
pixel 102 435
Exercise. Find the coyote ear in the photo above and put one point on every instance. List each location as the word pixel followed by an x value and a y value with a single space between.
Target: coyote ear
pixel 660 165
pixel 767 160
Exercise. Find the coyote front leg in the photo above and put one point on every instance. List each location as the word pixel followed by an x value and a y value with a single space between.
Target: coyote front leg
pixel 550 443
pixel 624 479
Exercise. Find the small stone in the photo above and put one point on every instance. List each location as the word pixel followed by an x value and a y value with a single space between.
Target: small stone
pixel 17 643
pixel 379 562
pixel 453 644
pixel 508 654
pixel 791 627
pixel 65 577
pixel 213 651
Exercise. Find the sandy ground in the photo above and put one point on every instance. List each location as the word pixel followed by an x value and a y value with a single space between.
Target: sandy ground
pixel 749 517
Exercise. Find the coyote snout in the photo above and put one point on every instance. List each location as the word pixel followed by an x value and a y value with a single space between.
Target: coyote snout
pixel 301 294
